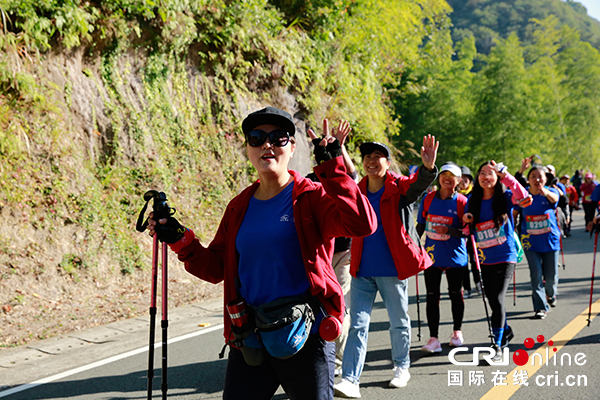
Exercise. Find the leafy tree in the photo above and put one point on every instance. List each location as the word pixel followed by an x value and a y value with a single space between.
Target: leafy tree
pixel 489 20
pixel 580 64
pixel 439 101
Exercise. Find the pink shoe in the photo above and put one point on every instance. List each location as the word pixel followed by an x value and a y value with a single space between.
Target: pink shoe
pixel 456 340
pixel 432 346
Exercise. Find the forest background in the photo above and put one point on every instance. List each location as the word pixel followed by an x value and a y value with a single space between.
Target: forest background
pixel 103 100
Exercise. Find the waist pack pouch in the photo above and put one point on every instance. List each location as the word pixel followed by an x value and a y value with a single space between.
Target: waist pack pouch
pixel 284 325
pixel 247 340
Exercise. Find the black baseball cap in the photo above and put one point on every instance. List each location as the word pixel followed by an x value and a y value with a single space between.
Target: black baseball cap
pixel 369 147
pixel 466 172
pixel 269 115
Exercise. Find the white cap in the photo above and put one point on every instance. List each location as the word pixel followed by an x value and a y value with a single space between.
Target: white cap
pixel 455 169
pixel 551 168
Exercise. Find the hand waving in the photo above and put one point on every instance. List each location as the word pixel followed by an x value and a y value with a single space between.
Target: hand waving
pixel 328 146
pixel 499 168
pixel 343 131
pixel 429 151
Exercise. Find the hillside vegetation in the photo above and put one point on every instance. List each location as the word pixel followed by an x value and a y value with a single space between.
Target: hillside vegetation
pixel 103 100
pixel 100 101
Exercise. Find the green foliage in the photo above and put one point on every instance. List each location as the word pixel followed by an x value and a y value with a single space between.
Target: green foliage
pixel 522 99
pixel 490 20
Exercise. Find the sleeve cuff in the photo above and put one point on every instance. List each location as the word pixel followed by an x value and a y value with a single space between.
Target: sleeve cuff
pixel 187 238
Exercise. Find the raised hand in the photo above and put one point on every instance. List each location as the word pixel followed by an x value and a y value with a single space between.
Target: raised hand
pixel 525 164
pixel 343 131
pixel 326 139
pixel 429 151
pixel 499 168
pixel 329 146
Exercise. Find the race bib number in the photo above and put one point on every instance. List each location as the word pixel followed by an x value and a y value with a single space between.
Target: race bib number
pixel 437 220
pixel 538 224
pixel 488 236
pixel 587 198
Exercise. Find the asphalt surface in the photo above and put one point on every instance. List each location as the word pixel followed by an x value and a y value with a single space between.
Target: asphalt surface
pixel 111 362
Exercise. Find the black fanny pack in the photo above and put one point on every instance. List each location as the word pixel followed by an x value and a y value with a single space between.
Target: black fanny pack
pixel 284 324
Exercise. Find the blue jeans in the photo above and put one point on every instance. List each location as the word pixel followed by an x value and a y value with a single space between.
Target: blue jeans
pixel 362 296
pixel 543 266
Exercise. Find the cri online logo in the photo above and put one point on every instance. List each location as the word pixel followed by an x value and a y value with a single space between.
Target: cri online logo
pixel 520 357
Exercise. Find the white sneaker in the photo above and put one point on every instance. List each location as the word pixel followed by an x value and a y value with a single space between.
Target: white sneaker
pixel 400 379
pixel 338 371
pixel 456 340
pixel 432 346
pixel 347 389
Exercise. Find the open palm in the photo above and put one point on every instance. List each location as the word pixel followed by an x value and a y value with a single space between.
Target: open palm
pixel 429 151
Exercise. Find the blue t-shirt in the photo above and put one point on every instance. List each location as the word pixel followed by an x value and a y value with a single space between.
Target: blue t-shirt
pixel 539 230
pixel 562 188
pixel 376 258
pixel 495 245
pixel 270 258
pixel 444 250
pixel 596 193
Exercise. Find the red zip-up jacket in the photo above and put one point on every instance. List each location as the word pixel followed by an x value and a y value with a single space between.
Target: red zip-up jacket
pixel 322 211
pixel 396 206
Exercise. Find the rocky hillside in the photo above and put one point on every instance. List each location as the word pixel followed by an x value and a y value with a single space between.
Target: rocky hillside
pixel 101 101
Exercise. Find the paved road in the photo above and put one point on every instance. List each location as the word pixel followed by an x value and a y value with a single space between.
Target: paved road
pixel 110 362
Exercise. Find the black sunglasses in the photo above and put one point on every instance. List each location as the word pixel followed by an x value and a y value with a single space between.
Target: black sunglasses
pixel 278 137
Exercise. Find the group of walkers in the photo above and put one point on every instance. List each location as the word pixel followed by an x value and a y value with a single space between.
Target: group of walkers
pixel 303 258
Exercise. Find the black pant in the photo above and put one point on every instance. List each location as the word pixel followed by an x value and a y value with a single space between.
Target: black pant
pixel 306 375
pixel 590 210
pixel 496 278
pixel 433 279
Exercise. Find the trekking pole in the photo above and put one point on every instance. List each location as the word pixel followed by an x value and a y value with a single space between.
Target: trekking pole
pixel 562 253
pixel 487 315
pixel 596 228
pixel 560 240
pixel 161 210
pixel 515 288
pixel 418 309
pixel 152 314
pixel 164 323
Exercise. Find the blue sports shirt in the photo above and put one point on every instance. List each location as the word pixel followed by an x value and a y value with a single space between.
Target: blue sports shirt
pixel 376 259
pixel 270 258
pixel 539 230
pixel 495 245
pixel 444 250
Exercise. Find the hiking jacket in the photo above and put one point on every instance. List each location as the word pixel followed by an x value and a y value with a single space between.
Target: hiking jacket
pixel 396 206
pixel 322 211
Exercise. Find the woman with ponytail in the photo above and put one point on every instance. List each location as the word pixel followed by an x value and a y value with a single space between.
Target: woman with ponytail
pixel 491 221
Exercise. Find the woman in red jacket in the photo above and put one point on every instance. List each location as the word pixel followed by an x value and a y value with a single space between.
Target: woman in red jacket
pixel 383 261
pixel 586 189
pixel 274 242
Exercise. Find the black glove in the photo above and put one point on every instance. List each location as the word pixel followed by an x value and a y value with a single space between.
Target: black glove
pixel 326 153
pixel 595 229
pixel 170 232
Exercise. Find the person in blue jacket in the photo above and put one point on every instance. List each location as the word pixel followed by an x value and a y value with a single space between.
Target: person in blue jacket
pixel 440 218
pixel 490 214
pixel 541 241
